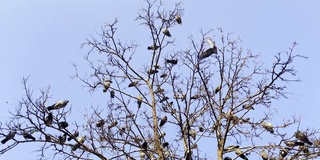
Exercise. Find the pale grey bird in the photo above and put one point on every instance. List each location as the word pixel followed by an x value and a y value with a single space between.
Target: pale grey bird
pixel 27 135
pixel 230 148
pixel 240 153
pixel 218 89
pixel 264 155
pixel 193 134
pixel 178 19
pixel 8 137
pixel 106 85
pixel 283 152
pixel 58 105
pixel 213 49
pixel 81 141
pixel 267 126
pixel 166 32
pixel 144 145
pixel 302 137
pixel 49 119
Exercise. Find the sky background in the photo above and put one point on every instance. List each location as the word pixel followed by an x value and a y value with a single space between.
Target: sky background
pixel 42 39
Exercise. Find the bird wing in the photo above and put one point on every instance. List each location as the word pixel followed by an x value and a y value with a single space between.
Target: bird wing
pixel 210 42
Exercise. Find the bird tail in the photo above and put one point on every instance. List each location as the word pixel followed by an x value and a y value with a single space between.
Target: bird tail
pixel 4 140
pixel 50 108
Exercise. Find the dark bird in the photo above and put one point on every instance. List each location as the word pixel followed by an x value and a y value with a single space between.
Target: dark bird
pixel 106 85
pixel 158 90
pixel 283 152
pixel 201 129
pixel 74 135
pixel 267 126
pixel 166 32
pixel 153 47
pixel 164 75
pixel 49 119
pixel 58 105
pixel 178 19
pixel 172 61
pixel 112 94
pixel 217 90
pixel 81 141
pixel 152 71
pixel 132 84
pixel 165 144
pixel 27 135
pixel 293 143
pixel 144 145
pixel 62 139
pixel 227 158
pixel 264 155
pixel 10 135
pixel 213 49
pixel 139 100
pixel 197 96
pixel 113 124
pixel 163 121
pixel 63 124
pixel 240 153
pixel 302 137
pixel 164 99
pixel 100 123
pixel 48 137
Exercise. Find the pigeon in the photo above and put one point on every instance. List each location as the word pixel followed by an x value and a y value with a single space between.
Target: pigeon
pixel 302 137
pixel 217 90
pixel 10 135
pixel 166 32
pixel 100 123
pixel 58 105
pixel 49 119
pixel 153 47
pixel 193 134
pixel 163 121
pixel 81 141
pixel 267 126
pixel 106 85
pixel 27 135
pixel 264 155
pixel 293 143
pixel 240 153
pixel 172 61
pixel 209 51
pixel 178 19
pixel 132 84
pixel 112 94
pixel 113 124
pixel 75 135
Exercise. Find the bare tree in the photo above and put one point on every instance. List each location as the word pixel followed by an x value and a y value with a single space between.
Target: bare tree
pixel 164 106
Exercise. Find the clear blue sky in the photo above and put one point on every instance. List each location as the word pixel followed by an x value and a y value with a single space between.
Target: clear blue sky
pixel 42 39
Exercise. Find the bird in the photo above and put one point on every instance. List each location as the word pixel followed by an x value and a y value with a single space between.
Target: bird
pixel 132 84
pixel 139 100
pixel 240 153
pixel 164 75
pixel 49 119
pixel 63 124
pixel 153 47
pixel 164 99
pixel 166 32
pixel 217 90
pixel 74 135
pixel 248 107
pixel 62 138
pixel 267 126
pixel 293 143
pixel 283 152
pixel 48 137
pixel 302 137
pixel 106 85
pixel 144 145
pixel 162 134
pixel 9 136
pixel 112 94
pixel 172 61
pixel 152 71
pixel 213 49
pixel 163 121
pixel 113 124
pixel 80 141
pixel 100 123
pixel 197 96
pixel 142 155
pixel 165 144
pixel 264 155
pixel 193 133
pixel 27 135
pixel 227 158
pixel 178 19
pixel 201 129
pixel 58 105
pixel 230 148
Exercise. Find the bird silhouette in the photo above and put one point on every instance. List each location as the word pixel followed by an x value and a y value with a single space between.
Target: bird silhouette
pixel 58 105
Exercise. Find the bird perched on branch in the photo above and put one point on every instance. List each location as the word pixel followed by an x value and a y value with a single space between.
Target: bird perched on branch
pixel 63 124
pixel 267 126
pixel 213 49
pixel 81 141
pixel 132 84
pixel 153 47
pixel 8 137
pixel 240 153
pixel 264 155
pixel 193 134
pixel 163 121
pixel 58 105
pixel 178 19
pixel 113 124
pixel 106 85
pixel 49 119
pixel 139 100
pixel 27 135
pixel 302 137
pixel 74 135
pixel 293 143
pixel 166 32
pixel 100 123
pixel 172 61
